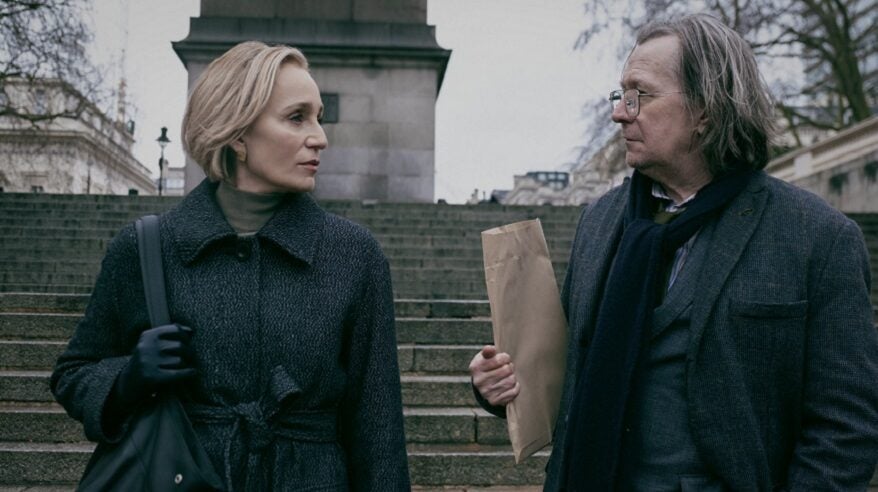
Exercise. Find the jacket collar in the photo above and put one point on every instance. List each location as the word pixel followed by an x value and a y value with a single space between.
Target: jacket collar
pixel 198 222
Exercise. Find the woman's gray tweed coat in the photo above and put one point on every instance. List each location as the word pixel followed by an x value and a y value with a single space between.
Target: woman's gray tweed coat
pixel 298 385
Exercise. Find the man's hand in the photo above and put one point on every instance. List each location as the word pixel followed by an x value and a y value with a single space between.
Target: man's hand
pixel 493 376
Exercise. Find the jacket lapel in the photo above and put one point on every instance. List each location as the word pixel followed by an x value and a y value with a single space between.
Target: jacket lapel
pixel 730 238
pixel 726 434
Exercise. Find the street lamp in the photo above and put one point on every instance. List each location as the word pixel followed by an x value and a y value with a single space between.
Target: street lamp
pixel 163 141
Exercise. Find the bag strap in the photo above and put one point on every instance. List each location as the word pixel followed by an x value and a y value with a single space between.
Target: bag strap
pixel 149 248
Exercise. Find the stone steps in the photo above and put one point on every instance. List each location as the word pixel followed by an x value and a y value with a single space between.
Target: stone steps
pixel 385 215
pixel 47 422
pixel 53 303
pixel 422 331
pixel 42 354
pixel 386 234
pixel 92 266
pixel 418 390
pixel 398 275
pixel 429 465
pixel 442 320
pixel 93 249
pixel 23 226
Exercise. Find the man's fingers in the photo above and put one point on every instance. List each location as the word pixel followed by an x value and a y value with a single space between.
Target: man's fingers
pixel 486 365
pixel 489 351
pixel 502 397
pixel 504 384
pixel 501 372
pixel 509 395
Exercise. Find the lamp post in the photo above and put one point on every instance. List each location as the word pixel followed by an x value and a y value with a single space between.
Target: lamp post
pixel 163 141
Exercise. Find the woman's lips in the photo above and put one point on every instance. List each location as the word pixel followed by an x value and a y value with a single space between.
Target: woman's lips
pixel 312 164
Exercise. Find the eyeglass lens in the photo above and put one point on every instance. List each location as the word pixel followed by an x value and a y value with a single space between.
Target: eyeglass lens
pixel 631 99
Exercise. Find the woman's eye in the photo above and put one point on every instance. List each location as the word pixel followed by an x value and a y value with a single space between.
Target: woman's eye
pixel 296 117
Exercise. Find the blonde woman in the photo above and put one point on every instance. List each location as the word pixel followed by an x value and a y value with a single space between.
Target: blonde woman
pixel 283 347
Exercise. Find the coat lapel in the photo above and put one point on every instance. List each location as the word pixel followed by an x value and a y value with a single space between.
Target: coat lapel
pixel 727 435
pixel 730 238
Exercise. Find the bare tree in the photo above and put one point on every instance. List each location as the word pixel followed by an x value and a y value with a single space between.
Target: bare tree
pixel 43 46
pixel 836 41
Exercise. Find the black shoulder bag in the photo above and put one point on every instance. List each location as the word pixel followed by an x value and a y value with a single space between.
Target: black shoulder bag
pixel 160 450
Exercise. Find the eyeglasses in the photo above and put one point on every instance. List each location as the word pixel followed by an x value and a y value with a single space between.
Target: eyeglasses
pixel 632 99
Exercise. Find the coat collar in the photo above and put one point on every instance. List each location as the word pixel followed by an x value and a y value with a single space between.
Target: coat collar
pixel 198 222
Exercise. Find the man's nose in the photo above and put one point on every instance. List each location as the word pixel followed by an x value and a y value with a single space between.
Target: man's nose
pixel 620 114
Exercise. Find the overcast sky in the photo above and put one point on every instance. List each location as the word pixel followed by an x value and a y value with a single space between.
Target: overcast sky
pixel 511 101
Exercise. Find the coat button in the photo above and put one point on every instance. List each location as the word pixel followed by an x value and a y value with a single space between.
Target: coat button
pixel 242 251
pixel 178 479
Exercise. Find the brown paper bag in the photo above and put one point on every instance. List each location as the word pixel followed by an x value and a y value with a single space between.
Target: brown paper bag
pixel 529 325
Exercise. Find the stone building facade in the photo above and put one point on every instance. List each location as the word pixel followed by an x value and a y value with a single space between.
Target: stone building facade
pixel 88 154
pixel 842 169
pixel 589 180
pixel 379 69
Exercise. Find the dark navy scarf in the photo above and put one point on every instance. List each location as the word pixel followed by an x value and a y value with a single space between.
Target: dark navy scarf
pixel 631 293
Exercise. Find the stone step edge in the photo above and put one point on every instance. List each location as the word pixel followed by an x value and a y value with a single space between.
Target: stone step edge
pixel 404 377
pixel 414 449
pixel 54 407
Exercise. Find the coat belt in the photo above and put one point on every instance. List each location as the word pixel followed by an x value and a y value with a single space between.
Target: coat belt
pixel 257 431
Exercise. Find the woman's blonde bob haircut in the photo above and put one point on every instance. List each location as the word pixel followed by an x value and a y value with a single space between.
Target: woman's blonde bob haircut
pixel 228 96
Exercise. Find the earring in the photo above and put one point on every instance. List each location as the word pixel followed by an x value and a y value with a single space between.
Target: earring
pixel 241 156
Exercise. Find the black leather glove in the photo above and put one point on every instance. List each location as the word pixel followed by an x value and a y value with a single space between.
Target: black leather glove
pixel 163 355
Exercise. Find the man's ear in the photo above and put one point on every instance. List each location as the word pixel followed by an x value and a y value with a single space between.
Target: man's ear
pixel 701 121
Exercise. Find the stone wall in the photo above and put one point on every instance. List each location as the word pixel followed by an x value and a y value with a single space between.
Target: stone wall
pixel 383 144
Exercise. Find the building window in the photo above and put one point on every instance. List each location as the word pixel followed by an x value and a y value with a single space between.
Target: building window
pixel 330 108
pixel 133 191
pixel 40 105
pixel 837 182
pixel 36 189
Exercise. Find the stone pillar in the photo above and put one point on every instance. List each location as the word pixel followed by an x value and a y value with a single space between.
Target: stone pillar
pixel 379 69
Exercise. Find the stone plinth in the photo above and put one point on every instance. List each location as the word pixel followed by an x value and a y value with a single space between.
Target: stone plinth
pixel 383 67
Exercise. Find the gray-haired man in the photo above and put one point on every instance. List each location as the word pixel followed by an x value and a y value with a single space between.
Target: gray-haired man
pixel 721 332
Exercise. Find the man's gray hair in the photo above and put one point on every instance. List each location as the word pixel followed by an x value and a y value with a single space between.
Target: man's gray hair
pixel 719 75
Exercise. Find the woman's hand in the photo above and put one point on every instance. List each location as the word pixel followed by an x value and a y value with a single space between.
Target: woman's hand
pixel 493 376
pixel 163 355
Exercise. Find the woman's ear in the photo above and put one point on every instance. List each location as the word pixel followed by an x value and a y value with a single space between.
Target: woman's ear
pixel 240 149
pixel 238 146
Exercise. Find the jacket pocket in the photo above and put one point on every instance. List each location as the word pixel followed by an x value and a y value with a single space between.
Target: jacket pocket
pixel 767 311
pixel 770 341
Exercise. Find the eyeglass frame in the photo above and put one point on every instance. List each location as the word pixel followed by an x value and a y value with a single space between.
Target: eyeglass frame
pixel 621 95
